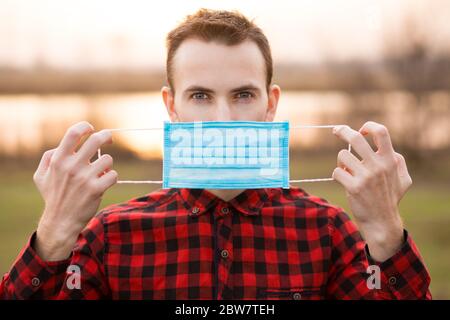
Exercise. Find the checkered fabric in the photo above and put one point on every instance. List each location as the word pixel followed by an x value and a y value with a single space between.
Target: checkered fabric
pixel 189 244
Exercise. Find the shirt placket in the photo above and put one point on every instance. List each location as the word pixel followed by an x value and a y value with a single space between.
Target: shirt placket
pixel 224 247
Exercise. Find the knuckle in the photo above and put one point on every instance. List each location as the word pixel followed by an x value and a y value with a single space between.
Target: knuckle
pixel 381 130
pixel 74 133
pixel 47 153
pixel 82 125
pixel 356 138
pixel 400 158
pixel 346 127
pixel 409 181
pixel 73 172
pixel 342 153
pixel 108 159
pixel 356 188
pixel 63 165
pixel 372 175
pixel 56 163
pixel 376 171
pixel 86 123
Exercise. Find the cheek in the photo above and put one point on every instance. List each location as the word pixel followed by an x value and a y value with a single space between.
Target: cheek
pixel 254 112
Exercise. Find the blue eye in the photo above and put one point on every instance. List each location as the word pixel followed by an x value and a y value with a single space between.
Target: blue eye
pixel 199 96
pixel 245 95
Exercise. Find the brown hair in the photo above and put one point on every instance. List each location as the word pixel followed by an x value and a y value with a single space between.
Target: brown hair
pixel 228 27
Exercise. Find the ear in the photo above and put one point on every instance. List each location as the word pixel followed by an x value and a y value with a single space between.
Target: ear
pixel 274 96
pixel 169 100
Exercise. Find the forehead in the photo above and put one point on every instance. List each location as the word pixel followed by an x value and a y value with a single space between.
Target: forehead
pixel 217 65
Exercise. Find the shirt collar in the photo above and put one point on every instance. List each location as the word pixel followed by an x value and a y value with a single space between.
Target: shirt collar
pixel 249 202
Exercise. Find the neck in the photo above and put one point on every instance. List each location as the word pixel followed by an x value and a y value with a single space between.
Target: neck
pixel 225 194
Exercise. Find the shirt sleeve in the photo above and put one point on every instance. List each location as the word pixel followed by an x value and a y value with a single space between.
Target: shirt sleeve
pixel 32 278
pixel 403 276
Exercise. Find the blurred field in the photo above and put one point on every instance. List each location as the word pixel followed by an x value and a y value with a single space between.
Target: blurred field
pixel 424 209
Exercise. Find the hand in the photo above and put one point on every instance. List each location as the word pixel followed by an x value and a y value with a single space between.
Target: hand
pixel 374 186
pixel 72 189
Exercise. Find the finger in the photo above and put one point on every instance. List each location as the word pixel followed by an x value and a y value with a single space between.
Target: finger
pixel 346 159
pixel 107 180
pixel 45 161
pixel 403 173
pixel 356 140
pixel 380 135
pixel 104 163
pixel 343 177
pixel 92 144
pixel 72 137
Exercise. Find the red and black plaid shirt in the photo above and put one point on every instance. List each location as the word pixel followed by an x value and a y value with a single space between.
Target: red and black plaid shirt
pixel 189 244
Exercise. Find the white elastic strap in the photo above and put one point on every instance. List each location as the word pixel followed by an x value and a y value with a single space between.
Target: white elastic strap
pixel 134 129
pixel 314 126
pixel 160 128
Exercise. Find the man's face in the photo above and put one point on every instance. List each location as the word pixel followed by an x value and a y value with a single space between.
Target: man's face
pixel 216 82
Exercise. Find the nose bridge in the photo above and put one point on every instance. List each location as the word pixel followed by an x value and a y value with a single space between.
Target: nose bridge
pixel 223 112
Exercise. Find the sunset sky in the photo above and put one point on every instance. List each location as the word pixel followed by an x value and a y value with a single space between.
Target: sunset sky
pixel 108 33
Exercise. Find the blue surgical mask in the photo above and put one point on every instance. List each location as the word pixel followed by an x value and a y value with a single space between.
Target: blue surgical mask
pixel 226 155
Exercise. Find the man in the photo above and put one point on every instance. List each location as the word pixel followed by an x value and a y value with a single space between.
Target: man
pixel 219 244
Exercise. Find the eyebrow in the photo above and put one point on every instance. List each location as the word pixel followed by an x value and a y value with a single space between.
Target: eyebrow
pixel 246 87
pixel 198 88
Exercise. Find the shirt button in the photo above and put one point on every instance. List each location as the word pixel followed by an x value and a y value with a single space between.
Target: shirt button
pixel 35 282
pixel 225 210
pixel 392 280
pixel 195 210
pixel 224 254
pixel 297 296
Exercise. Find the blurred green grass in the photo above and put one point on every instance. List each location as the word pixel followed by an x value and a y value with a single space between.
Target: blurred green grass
pixel 424 208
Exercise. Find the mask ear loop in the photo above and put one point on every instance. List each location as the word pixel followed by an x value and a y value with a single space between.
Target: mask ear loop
pixel 133 181
pixel 330 126
pixel 160 128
